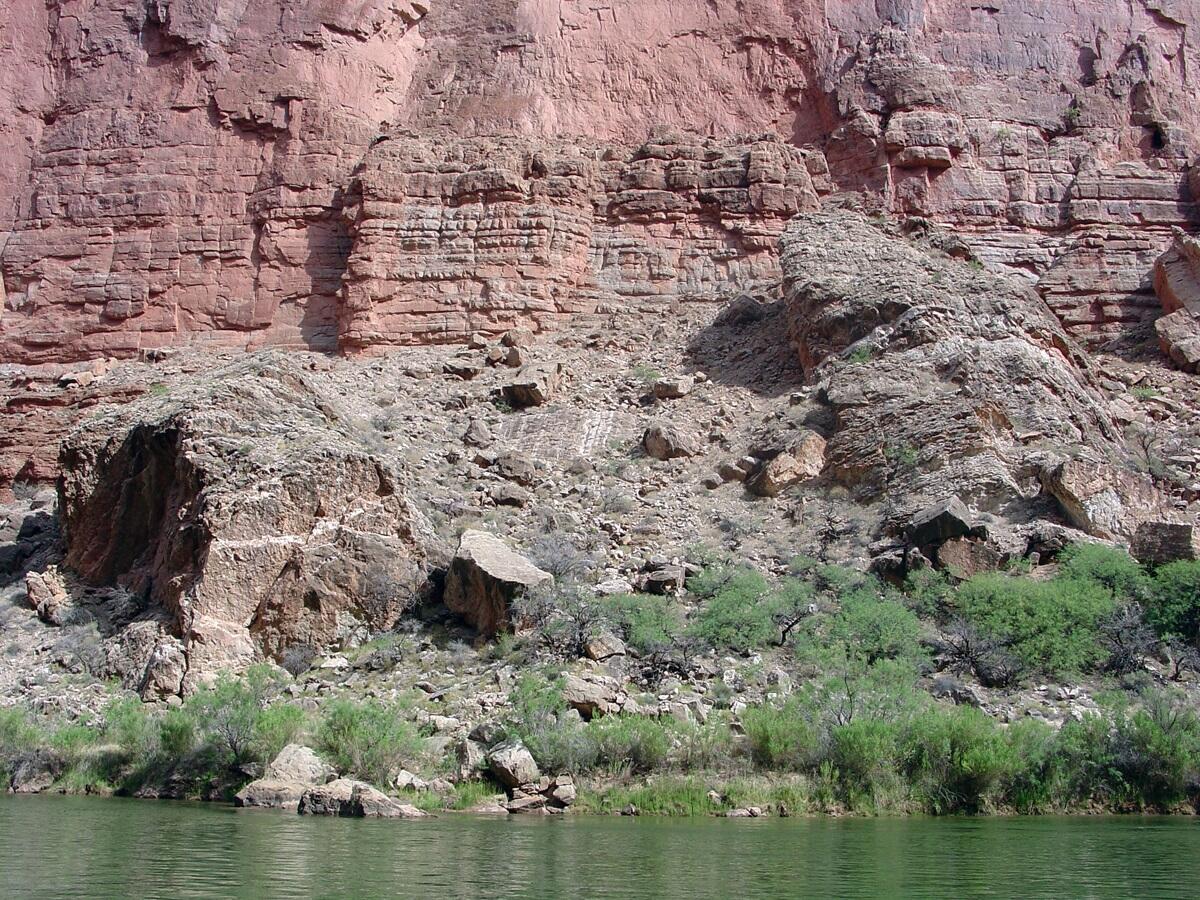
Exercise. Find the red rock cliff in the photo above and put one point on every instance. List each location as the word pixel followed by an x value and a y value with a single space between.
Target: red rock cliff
pixel 361 174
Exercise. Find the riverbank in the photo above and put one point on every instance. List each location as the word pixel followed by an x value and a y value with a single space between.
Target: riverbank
pixel 901 754
pixel 826 692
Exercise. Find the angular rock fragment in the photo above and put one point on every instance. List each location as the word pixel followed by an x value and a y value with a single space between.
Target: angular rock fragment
pixel 804 460
pixel 533 385
pixel 1177 275
pixel 664 441
pixel 1179 337
pixel 941 522
pixel 593 695
pixel 485 576
pixel 478 434
pixel 512 764
pixel 48 595
pixel 673 388
pixel 1158 542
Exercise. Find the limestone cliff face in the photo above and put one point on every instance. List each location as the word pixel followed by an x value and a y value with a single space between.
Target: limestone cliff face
pixel 328 175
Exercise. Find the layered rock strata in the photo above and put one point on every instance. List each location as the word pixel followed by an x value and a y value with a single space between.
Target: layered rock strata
pixel 185 171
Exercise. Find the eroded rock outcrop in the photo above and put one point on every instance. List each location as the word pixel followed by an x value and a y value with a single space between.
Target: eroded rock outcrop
pixel 294 771
pixel 244 515
pixel 969 380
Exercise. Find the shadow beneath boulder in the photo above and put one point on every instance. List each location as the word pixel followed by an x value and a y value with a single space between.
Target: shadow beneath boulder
pixel 747 346
pixel 27 539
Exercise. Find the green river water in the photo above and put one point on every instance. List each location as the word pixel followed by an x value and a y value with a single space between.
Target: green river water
pixel 109 848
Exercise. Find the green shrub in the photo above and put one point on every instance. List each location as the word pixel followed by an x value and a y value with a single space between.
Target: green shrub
pixel 782 738
pixel 18 735
pixel 1156 750
pixel 472 793
pixel 277 726
pixel 685 796
pixel 645 374
pixel 737 615
pixel 1081 765
pixel 1173 607
pixel 864 754
pixel 228 711
pixel 629 744
pixel 646 622
pixel 1051 626
pixel 791 604
pixel 538 716
pixel 876 628
pixel 129 725
pixel 1031 784
pixel 177 733
pixel 367 740
pixel 74 741
pixel 956 759
pixel 704 747
pixel 1114 570
pixel 928 591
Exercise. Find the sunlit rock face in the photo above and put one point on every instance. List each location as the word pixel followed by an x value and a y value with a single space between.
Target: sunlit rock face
pixel 360 175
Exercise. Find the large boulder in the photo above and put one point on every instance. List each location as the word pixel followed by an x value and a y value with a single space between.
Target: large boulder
pixel 593 695
pixel 534 385
pixel 293 771
pixel 940 522
pixel 48 595
pixel 245 512
pixel 35 772
pixel 1179 338
pixel 1177 283
pixel 1102 500
pixel 266 793
pixel 664 441
pixel 369 803
pixel 348 798
pixel 296 762
pixel 543 797
pixel 1158 542
pixel 485 576
pixel 1177 275
pixel 512 764
pixel 804 460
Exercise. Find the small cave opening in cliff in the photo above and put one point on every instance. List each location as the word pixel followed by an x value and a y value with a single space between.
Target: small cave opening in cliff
pixel 1156 137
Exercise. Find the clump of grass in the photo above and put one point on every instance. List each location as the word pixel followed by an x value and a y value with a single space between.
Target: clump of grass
pixel 645 375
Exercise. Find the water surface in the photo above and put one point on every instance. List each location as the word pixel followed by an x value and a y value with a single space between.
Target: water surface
pixel 108 848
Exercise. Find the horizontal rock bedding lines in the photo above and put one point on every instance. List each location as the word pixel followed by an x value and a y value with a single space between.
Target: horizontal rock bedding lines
pixel 184 173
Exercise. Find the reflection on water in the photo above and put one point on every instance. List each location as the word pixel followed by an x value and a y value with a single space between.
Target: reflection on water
pixel 91 848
